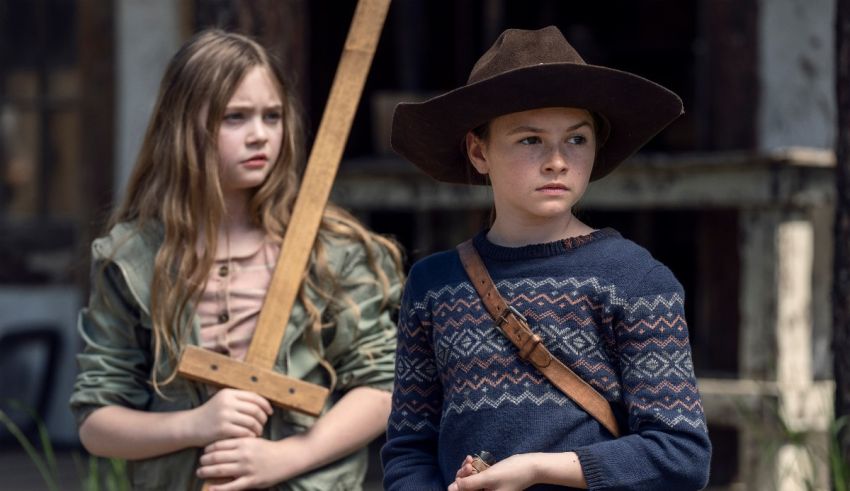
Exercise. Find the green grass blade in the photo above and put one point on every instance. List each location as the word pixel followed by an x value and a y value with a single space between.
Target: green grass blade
pixel 840 469
pixel 118 475
pixel 81 473
pixel 30 450
pixel 94 477
pixel 43 435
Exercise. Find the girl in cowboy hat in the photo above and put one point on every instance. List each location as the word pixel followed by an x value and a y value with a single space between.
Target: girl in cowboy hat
pixel 537 123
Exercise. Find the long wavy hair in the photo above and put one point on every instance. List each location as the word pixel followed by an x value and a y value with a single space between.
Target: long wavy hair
pixel 175 188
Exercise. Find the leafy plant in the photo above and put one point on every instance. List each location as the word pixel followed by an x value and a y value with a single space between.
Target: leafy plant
pixel 817 456
pixel 838 470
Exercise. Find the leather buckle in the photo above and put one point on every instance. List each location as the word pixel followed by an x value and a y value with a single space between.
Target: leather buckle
pixel 504 317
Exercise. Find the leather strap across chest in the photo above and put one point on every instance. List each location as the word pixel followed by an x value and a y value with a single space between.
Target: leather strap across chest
pixel 531 348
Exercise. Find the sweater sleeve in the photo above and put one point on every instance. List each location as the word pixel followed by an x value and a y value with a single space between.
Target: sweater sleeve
pixel 410 454
pixel 666 444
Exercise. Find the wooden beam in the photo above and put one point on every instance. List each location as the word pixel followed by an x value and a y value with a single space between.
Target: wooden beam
pixel 739 402
pixel 222 371
pixel 795 177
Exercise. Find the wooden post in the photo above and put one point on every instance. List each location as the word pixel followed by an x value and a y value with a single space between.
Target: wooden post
pixel 256 372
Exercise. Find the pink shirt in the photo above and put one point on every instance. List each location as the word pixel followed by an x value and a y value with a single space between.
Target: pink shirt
pixel 231 303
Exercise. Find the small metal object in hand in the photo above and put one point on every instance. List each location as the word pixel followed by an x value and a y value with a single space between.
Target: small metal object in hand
pixel 482 460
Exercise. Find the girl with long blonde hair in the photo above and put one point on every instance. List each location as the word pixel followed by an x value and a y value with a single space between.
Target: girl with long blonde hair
pixel 187 260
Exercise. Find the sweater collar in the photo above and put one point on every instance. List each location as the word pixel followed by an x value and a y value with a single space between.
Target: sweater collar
pixel 533 251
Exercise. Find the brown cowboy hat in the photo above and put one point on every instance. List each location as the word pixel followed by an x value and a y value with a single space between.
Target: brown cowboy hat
pixel 528 70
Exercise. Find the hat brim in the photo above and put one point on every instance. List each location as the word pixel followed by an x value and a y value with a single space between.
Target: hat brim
pixel 431 134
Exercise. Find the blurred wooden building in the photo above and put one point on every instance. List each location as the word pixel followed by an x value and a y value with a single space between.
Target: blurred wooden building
pixel 736 196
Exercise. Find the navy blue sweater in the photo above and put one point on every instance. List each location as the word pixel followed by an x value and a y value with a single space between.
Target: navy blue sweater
pixel 604 307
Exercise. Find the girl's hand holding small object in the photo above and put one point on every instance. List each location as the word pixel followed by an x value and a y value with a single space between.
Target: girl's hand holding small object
pixel 473 464
pixel 477 473
pixel 481 461
pixel 466 469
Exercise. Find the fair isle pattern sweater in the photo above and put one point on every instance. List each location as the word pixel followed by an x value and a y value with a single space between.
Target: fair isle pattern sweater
pixel 604 307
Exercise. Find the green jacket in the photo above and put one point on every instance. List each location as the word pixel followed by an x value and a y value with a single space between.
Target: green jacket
pixel 116 362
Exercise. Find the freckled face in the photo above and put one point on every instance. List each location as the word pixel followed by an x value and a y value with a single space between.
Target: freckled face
pixel 538 161
pixel 250 135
